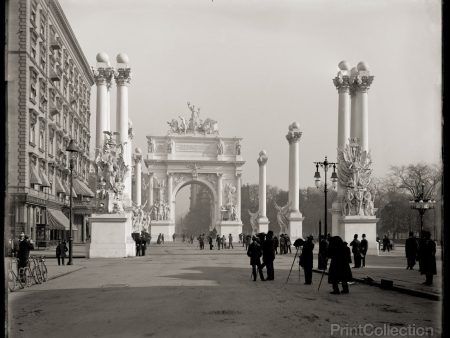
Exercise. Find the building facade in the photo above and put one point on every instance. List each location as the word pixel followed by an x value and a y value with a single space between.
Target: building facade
pixel 49 87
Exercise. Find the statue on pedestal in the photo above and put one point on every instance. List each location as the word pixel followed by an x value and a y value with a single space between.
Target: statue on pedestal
pixel 355 175
pixel 111 173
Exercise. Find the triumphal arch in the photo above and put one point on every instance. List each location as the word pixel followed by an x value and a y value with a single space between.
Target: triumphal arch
pixel 193 152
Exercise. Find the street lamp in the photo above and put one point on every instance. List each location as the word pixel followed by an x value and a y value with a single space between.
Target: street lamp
pixel 73 153
pixel 325 165
pixel 422 204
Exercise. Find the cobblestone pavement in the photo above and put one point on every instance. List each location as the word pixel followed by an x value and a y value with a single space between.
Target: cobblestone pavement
pixel 180 291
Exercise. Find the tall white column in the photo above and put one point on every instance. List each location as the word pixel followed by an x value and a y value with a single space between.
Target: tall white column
pixel 219 195
pixel 342 83
pixel 108 107
pixel 354 117
pixel 123 78
pixel 137 174
pixel 100 81
pixel 362 85
pixel 263 222
pixel 262 161
pixel 293 138
pixel 295 216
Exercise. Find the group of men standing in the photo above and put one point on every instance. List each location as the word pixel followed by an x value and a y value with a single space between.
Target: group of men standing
pixel 262 245
pixel 359 250
pixel 424 251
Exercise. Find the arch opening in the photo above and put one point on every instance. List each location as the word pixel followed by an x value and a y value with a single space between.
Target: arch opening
pixel 194 212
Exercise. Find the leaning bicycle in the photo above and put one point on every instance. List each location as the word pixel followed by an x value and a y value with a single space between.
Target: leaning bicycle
pixel 14 280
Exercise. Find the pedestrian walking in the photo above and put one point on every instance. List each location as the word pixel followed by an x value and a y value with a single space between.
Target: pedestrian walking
pixel 138 241
pixel 162 238
pixel 275 244
pixel 282 244
pixel 230 242
pixel 173 237
pixel 218 240
pixel 247 240
pixel 411 248
pixel 269 255
pixel 364 246
pixel 386 243
pixel 58 253
pixel 143 245
pixel 61 250
pixel 223 242
pixel 255 252
pixel 427 257
pixel 288 243
pixel 210 241
pixel 158 241
pixel 339 271
pixel 306 259
pixel 355 244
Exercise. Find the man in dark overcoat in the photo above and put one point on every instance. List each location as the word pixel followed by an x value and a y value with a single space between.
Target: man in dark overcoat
pixel 255 252
pixel 269 255
pixel 411 247
pixel 355 244
pixel 427 257
pixel 306 259
pixel 138 241
pixel 339 266
pixel 363 246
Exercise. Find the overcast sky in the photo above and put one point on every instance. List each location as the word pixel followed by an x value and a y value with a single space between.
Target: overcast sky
pixel 257 66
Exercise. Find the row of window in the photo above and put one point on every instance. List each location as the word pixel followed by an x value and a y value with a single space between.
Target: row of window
pixel 83 142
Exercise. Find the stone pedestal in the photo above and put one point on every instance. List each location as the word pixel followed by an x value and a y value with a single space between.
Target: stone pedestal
pixel 111 236
pixel 167 228
pixel 263 224
pixel 347 226
pixel 230 227
pixel 295 227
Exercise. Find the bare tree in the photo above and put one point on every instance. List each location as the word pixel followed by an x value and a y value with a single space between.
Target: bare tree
pixel 411 178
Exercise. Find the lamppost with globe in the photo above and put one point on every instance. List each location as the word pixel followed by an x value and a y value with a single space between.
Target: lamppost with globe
pixel 73 154
pixel 325 165
pixel 422 204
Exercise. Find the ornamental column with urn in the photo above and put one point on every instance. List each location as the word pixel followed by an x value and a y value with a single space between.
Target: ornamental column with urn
pixel 263 221
pixel 295 216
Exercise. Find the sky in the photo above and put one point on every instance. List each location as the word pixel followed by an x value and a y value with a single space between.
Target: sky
pixel 257 66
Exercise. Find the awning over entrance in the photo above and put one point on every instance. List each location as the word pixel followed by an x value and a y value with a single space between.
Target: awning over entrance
pixel 74 194
pixel 59 186
pixel 57 220
pixel 45 182
pixel 34 178
pixel 82 189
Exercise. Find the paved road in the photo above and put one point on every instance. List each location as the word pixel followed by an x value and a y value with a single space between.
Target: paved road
pixel 179 291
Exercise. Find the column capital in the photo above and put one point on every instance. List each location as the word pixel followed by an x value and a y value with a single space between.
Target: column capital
pixel 262 159
pixel 219 175
pixel 294 133
pixel 102 76
pixel 123 76
pixel 342 83
pixel 137 157
pixel 361 80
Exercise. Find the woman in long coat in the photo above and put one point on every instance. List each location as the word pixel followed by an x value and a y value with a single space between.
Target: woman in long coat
pixel 339 266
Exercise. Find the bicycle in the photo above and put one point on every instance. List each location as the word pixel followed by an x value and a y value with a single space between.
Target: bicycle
pixel 35 270
pixel 14 282
pixel 43 268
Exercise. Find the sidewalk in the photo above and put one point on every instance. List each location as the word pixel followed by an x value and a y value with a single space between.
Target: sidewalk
pixel 393 268
pixel 79 251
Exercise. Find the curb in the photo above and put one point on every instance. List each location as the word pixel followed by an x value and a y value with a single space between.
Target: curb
pixel 66 273
pixel 410 292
